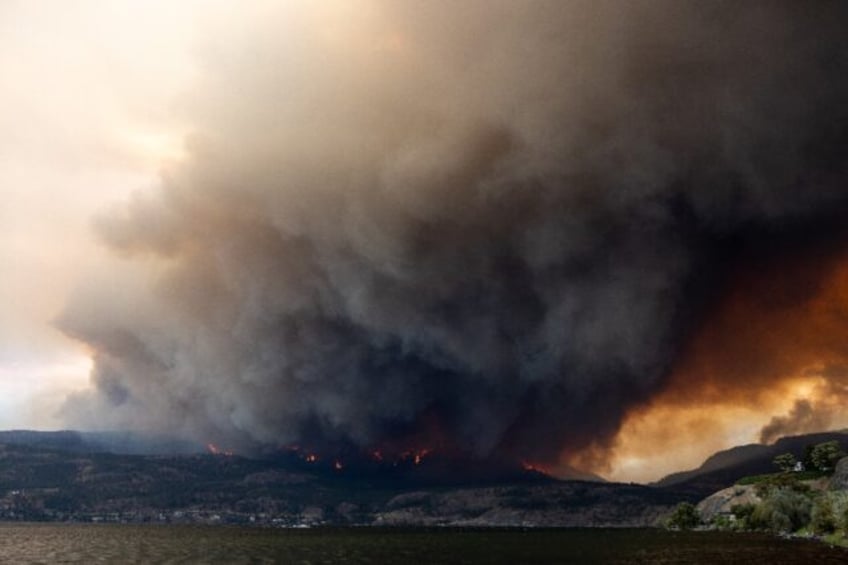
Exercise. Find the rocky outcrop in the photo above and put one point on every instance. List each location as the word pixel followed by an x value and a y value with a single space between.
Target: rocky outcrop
pixel 724 500
pixel 839 480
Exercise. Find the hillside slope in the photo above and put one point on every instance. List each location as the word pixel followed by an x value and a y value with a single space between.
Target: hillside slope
pixel 38 483
pixel 724 468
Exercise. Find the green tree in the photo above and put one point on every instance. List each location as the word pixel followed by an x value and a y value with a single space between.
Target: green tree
pixel 785 462
pixel 684 517
pixel 825 455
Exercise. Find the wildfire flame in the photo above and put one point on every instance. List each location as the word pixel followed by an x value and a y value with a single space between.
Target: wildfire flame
pixel 215 450
pixel 381 455
pixel 416 455
pixel 531 468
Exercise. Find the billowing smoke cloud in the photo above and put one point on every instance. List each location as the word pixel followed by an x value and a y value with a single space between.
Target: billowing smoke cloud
pixel 828 398
pixel 803 417
pixel 492 223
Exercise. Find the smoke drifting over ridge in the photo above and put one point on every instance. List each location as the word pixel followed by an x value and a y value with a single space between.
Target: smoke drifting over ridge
pixel 493 224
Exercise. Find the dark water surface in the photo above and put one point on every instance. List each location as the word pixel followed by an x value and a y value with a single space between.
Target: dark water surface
pixel 83 543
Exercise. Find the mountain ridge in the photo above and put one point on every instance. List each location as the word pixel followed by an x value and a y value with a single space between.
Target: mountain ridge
pixel 725 467
pixel 39 483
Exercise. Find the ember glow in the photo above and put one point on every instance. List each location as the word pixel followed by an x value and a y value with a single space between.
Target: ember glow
pixel 414 455
pixel 388 456
pixel 602 235
pixel 531 467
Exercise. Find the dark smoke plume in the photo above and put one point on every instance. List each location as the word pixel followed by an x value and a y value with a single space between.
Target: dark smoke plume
pixel 493 224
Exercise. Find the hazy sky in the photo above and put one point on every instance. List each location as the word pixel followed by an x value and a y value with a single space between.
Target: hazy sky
pixel 89 107
pixel 231 204
pixel 92 108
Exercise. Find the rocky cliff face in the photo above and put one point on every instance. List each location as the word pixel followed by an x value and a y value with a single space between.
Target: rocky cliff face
pixel 724 500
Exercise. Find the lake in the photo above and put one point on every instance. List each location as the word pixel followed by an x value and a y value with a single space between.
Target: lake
pixel 107 543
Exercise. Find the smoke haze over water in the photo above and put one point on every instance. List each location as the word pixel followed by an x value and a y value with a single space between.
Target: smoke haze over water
pixel 493 223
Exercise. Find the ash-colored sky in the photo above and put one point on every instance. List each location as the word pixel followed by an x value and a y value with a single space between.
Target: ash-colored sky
pixel 93 107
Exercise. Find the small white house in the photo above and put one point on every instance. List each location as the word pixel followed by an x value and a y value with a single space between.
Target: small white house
pixel 799 466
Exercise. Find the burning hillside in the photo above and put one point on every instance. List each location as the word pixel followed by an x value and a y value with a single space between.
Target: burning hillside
pixel 421 466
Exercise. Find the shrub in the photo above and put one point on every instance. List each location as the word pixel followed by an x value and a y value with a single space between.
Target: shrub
pixel 830 513
pixel 781 481
pixel 754 479
pixel 784 510
pixel 843 520
pixel 822 518
pixel 724 523
pixel 743 513
pixel 839 502
pixel 684 517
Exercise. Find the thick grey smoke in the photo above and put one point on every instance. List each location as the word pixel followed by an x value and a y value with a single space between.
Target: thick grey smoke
pixel 485 221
